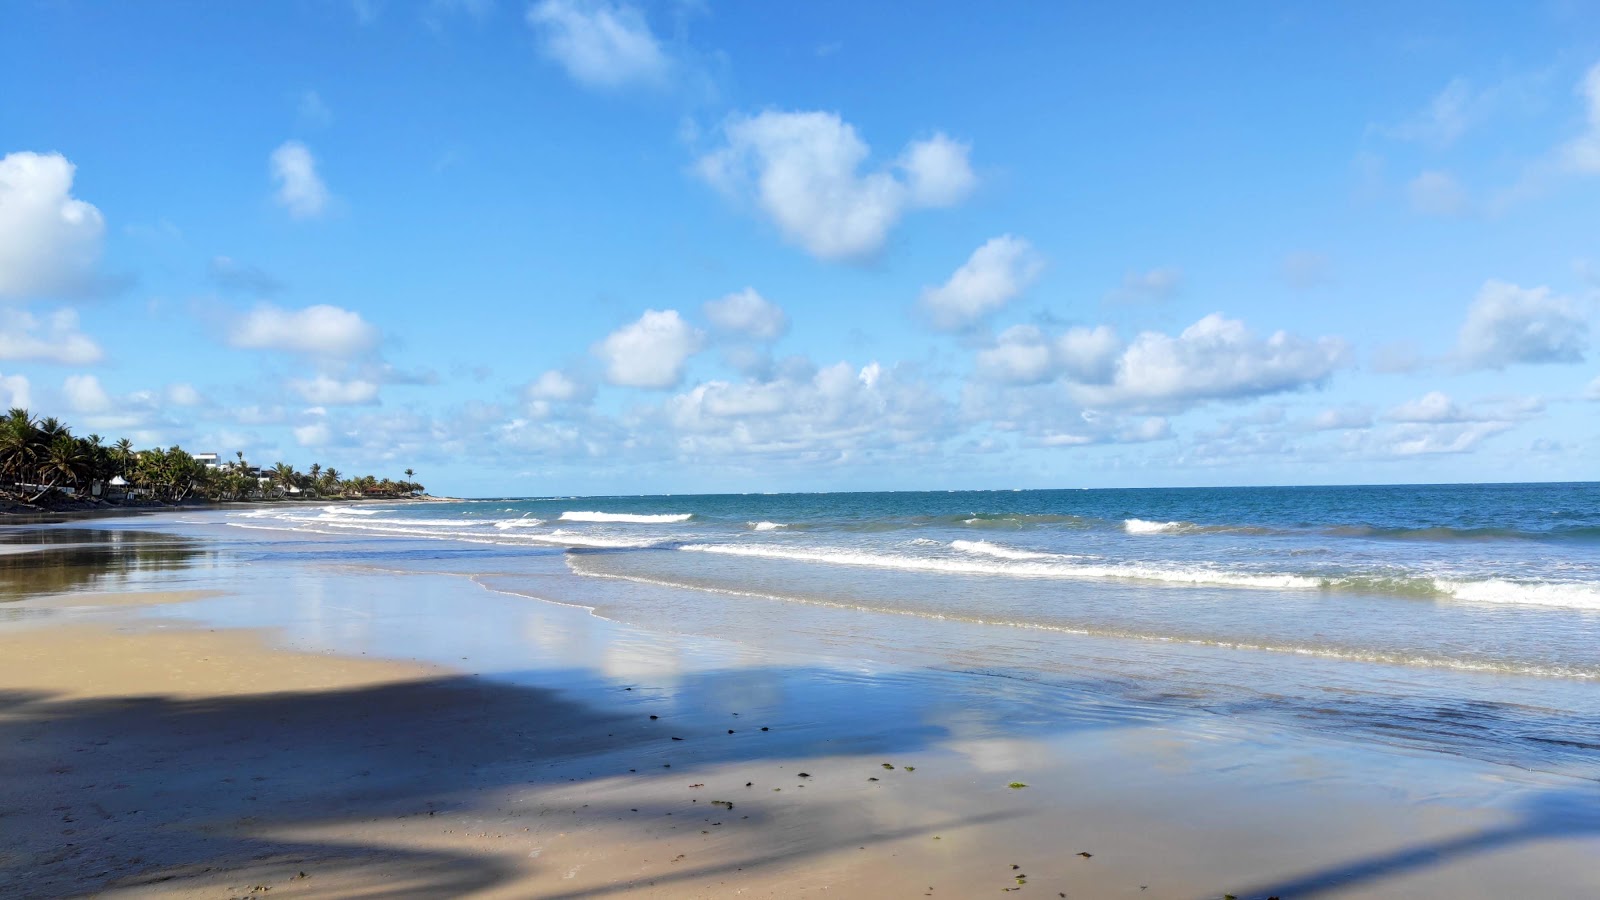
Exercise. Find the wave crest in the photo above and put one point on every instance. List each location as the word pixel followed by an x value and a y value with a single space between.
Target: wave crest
pixel 626 518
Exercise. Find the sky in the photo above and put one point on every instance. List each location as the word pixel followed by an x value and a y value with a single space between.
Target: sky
pixel 607 247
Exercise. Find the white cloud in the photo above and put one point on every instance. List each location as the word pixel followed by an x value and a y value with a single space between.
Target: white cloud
pixel 1156 284
pixel 817 413
pixel 84 395
pixel 937 171
pixel 1089 355
pixel 1460 107
pixel 1593 391
pixel 315 434
pixel 554 389
pixel 804 171
pixel 600 44
pixel 49 240
pixel 1024 354
pixel 1216 358
pixel 1020 355
pixel 1508 324
pixel 1342 418
pixel 747 314
pixel 16 391
pixel 555 386
pixel 1582 154
pixel 325 391
pixel 300 190
pixel 184 394
pixel 1436 194
pixel 1433 407
pixel 993 276
pixel 1430 439
pixel 320 330
pixel 650 352
pixel 56 339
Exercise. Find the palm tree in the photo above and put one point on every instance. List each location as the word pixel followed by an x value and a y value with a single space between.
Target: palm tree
pixel 20 445
pixel 122 452
pixel 64 460
pixel 284 476
pixel 410 474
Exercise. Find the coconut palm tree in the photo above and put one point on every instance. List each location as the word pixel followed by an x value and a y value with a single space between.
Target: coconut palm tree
pixel 20 445
pixel 122 452
pixel 64 461
pixel 284 476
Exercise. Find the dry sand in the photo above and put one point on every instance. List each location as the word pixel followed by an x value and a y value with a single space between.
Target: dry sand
pixel 153 757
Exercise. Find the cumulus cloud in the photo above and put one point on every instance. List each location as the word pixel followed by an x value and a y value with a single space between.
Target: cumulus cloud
pixel 15 391
pixel 325 391
pixel 804 170
pixel 937 171
pixel 300 189
pixel 1507 324
pixel 320 330
pixel 56 338
pixel 1434 406
pixel 993 276
pixel 747 314
pixel 821 413
pixel 1216 358
pixel 600 44
pixel 552 390
pixel 85 395
pixel 1436 194
pixel 1024 354
pixel 650 352
pixel 49 240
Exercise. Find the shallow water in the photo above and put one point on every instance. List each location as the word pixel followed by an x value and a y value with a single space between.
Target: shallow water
pixel 1457 619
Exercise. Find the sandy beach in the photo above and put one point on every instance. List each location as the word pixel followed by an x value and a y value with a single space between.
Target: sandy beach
pixel 182 721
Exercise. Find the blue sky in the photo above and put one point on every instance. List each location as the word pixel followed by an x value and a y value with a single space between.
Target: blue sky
pixel 597 247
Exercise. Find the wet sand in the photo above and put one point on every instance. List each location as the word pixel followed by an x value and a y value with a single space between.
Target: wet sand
pixel 324 732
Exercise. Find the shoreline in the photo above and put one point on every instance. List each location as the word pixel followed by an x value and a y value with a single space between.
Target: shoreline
pixel 354 725
pixel 106 509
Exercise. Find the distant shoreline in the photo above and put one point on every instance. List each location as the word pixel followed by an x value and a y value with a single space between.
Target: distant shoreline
pixel 18 514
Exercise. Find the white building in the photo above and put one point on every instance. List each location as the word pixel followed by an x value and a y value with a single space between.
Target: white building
pixel 209 460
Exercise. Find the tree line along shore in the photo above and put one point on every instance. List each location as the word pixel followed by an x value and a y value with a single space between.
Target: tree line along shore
pixel 43 465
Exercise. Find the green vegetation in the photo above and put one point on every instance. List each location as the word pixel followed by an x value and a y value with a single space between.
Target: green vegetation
pixel 41 457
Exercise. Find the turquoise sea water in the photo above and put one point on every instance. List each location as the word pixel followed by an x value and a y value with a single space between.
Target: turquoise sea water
pixel 1465 618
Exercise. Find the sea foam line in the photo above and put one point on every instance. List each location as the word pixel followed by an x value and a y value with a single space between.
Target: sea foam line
pixel 628 518
pixel 1058 568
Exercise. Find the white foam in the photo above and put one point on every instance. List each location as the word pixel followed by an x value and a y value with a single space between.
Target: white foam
pixel 507 524
pixel 629 518
pixel 1141 526
pixel 984 548
pixel 1056 567
pixel 1566 595
pixel 765 526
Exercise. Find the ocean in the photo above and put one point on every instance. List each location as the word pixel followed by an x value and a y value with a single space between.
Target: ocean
pixel 1461 618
